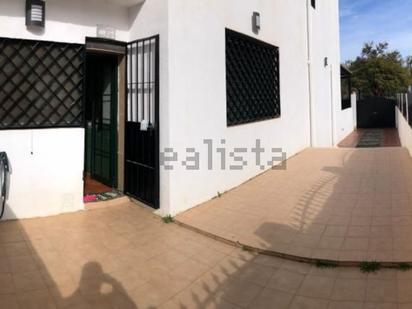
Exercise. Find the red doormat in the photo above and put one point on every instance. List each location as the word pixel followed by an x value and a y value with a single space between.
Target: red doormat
pixel 90 198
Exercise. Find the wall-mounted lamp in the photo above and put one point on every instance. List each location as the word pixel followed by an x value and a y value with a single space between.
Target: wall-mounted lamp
pixel 256 22
pixel 35 13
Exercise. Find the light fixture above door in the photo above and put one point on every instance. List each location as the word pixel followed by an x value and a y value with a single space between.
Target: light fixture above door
pixel 35 13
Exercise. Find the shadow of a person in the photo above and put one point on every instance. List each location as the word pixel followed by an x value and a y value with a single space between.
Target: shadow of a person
pixel 100 290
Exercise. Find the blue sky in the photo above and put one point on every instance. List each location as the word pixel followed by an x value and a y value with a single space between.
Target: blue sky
pixel 375 20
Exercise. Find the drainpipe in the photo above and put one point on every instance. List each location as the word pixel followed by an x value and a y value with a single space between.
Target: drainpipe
pixel 309 53
pixel 332 118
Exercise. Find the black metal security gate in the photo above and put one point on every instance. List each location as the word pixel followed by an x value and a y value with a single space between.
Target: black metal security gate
pixel 376 112
pixel 142 121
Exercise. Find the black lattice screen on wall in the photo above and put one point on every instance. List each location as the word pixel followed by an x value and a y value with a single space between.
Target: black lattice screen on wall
pixel 252 79
pixel 41 84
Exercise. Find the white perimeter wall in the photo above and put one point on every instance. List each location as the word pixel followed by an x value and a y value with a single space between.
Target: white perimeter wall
pixel 50 181
pixel 404 130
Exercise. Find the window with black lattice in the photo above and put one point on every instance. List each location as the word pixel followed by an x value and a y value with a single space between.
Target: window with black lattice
pixel 41 84
pixel 252 79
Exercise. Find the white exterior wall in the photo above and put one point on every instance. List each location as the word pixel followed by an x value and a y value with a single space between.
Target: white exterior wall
pixel 328 127
pixel 46 171
pixel 198 87
pixel 346 120
pixel 51 181
pixel 66 21
pixel 193 88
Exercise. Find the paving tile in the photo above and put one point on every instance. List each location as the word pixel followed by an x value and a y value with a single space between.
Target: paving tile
pixel 346 305
pixel 349 289
pixel 28 281
pixel 270 298
pixel 301 302
pixel 404 290
pixel 22 264
pixel 146 266
pixel 9 301
pixel 240 292
pixel 331 243
pixel 380 305
pixel 6 284
pixel 285 280
pixel 316 286
pixel 36 299
pixel 382 290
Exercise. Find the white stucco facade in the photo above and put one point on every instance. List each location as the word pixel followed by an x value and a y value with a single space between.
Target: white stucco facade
pixel 192 93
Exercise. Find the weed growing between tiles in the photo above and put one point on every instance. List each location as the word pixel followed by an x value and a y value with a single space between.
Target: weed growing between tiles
pixel 324 264
pixel 404 266
pixel 167 219
pixel 370 267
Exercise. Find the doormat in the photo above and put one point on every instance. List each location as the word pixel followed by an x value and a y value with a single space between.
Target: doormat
pixel 90 198
pixel 371 138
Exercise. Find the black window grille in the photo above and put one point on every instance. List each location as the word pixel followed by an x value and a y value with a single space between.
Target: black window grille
pixel 313 3
pixel 41 84
pixel 346 87
pixel 252 79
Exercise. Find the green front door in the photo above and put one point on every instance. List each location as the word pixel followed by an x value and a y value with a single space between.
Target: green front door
pixel 101 118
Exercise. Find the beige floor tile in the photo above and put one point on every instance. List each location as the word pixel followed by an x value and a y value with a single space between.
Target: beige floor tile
pixel 270 298
pixel 331 243
pixel 28 281
pixel 22 264
pixel 240 292
pixel 355 243
pixel 9 301
pixel 36 299
pixel 404 290
pixel 349 289
pixel 335 231
pixel 256 273
pixel 301 302
pixel 6 284
pixel 316 286
pixel 199 296
pixel 346 305
pixel 371 305
pixel 382 290
pixel 285 280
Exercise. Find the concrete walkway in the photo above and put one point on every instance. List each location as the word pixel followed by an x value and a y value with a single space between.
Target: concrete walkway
pixel 346 205
pixel 126 258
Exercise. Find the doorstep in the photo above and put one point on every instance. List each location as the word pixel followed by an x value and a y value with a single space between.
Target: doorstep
pixel 118 201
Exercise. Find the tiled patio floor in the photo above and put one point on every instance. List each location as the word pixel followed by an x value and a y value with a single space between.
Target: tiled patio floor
pixel 122 257
pixel 337 204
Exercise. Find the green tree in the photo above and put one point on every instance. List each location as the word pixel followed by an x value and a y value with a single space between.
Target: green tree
pixel 379 71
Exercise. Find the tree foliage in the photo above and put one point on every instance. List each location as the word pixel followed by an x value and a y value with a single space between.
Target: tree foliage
pixel 379 71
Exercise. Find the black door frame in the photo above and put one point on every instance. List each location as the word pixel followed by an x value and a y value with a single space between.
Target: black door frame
pixel 156 203
pixel 101 46
pixel 112 62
